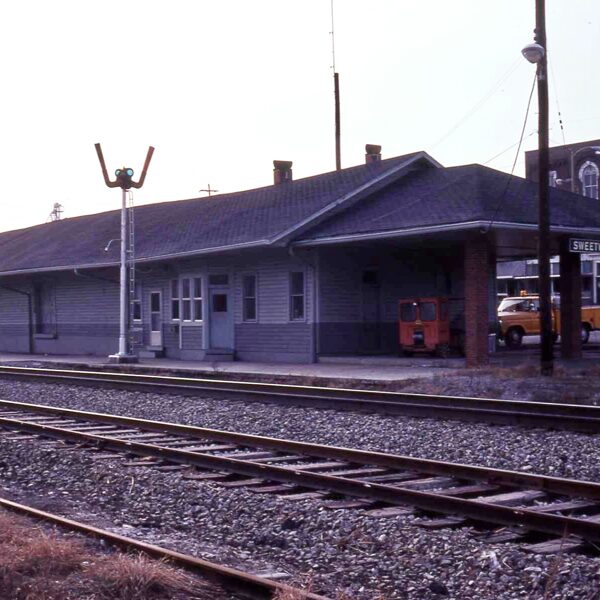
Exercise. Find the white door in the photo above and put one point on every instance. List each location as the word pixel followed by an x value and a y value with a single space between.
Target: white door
pixel 156 319
pixel 221 319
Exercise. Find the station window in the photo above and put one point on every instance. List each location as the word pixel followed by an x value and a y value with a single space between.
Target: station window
pixel 43 309
pixel 186 299
pixel 136 303
pixel 175 299
pixel 588 175
pixel 197 299
pixel 297 295
pixel 249 292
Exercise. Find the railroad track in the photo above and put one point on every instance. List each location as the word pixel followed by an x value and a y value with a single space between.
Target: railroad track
pixel 245 585
pixel 574 417
pixel 567 511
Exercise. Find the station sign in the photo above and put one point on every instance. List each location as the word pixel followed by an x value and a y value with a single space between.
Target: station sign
pixel 579 245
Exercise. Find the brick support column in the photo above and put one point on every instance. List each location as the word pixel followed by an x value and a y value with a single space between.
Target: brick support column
pixel 477 301
pixel 570 303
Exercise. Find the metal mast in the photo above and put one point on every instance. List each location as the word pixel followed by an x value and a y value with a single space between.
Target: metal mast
pixel 125 182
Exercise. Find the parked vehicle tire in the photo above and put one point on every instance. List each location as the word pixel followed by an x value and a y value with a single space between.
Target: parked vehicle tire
pixel 513 338
pixel 585 333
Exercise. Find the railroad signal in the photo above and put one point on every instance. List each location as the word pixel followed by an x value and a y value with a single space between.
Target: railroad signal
pixel 124 180
pixel 124 175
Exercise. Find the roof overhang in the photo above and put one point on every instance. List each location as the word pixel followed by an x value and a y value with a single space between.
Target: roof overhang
pixel 482 226
pixel 146 259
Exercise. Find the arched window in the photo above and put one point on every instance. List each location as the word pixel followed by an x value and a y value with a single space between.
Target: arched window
pixel 588 175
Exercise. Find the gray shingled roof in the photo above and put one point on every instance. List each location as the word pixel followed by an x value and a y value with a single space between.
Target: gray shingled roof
pixel 454 195
pixel 185 226
pixel 414 197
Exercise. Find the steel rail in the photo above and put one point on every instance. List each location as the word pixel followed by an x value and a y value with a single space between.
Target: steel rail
pixel 554 485
pixel 438 502
pixel 584 418
pixel 245 584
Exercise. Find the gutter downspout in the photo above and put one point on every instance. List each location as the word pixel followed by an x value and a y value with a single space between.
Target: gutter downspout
pixel 29 317
pixel 315 300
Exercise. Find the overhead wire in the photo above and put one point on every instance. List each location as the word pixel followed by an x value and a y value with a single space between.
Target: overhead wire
pixel 509 178
pixel 487 162
pixel 480 103
pixel 560 120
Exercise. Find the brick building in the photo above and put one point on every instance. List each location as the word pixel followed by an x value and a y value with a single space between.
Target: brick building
pixel 574 168
pixel 289 272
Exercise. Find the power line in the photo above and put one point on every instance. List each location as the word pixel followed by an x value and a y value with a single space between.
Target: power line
pixel 487 162
pixel 480 103
pixel 560 121
pixel 508 181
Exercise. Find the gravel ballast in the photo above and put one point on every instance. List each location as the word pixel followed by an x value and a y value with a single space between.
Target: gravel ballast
pixel 556 453
pixel 340 550
pixel 366 557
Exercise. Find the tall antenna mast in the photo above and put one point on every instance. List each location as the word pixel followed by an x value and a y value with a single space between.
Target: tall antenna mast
pixel 336 91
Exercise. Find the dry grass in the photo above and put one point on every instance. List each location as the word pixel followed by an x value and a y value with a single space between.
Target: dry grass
pixel 138 578
pixel 35 565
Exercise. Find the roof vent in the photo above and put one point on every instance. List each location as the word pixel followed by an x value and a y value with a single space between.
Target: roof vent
pixel 282 171
pixel 373 153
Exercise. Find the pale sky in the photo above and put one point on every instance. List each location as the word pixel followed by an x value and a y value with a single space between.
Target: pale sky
pixel 221 88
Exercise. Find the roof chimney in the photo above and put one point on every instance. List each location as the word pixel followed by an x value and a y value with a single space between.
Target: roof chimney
pixel 373 153
pixel 282 171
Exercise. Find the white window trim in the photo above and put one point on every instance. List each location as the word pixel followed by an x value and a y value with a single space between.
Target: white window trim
pixel 290 306
pixel 586 165
pixel 255 275
pixel 192 321
pixel 139 298
pixel 173 298
pixel 196 298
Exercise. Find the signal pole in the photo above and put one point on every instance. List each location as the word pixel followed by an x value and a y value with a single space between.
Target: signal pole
pixel 125 182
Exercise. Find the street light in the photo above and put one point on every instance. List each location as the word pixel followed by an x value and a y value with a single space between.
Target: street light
pixel 533 53
pixel 537 54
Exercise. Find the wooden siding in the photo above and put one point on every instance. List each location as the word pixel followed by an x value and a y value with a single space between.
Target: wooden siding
pixel 285 342
pixel 14 318
pixel 344 298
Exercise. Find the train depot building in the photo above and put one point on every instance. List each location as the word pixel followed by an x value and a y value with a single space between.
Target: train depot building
pixel 293 271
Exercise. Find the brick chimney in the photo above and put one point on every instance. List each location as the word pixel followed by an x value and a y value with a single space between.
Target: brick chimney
pixel 373 153
pixel 282 171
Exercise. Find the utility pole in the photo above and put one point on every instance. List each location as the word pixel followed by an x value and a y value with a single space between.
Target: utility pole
pixel 537 53
pixel 125 182
pixel 547 355
pixel 336 95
